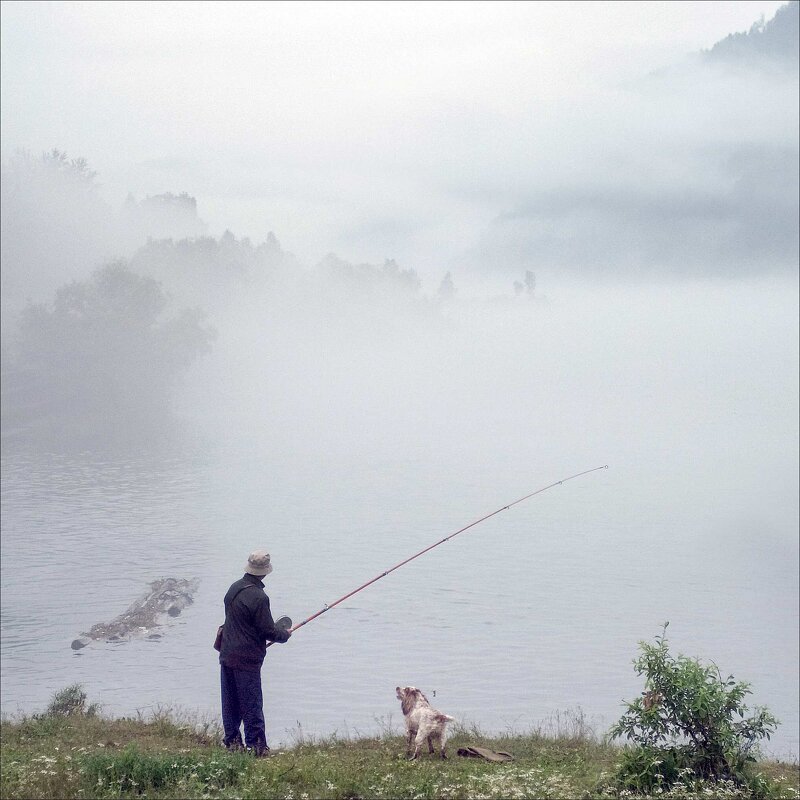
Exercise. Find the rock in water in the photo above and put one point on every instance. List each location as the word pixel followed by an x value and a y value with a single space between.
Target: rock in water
pixel 166 596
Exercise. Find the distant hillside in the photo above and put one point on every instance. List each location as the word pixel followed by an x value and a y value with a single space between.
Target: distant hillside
pixel 776 41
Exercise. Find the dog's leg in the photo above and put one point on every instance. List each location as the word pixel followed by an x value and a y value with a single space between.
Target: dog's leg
pixel 430 744
pixel 411 734
pixel 442 741
pixel 420 738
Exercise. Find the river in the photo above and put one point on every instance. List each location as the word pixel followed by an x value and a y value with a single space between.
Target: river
pixel 532 618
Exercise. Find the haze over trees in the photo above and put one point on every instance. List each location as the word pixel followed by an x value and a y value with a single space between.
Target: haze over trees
pixel 92 340
pixel 100 362
pixel 91 348
pixel 213 272
pixel 100 356
pixel 162 216
pixel 56 226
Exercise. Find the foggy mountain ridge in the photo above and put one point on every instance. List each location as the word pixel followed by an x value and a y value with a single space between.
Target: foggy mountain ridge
pixel 765 44
pixel 642 198
pixel 680 231
pixel 652 198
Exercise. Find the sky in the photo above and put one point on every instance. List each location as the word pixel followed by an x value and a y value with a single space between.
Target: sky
pixel 400 130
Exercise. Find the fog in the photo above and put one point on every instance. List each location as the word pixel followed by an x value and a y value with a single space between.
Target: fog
pixel 492 137
pixel 344 276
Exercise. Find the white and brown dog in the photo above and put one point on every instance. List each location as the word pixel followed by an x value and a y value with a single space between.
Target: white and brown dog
pixel 422 721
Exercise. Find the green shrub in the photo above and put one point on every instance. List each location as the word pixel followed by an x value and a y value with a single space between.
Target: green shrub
pixel 689 724
pixel 70 702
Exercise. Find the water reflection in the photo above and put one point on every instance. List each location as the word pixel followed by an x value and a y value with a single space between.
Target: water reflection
pixel 537 611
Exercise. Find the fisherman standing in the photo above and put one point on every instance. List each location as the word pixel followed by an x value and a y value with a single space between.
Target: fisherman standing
pixel 248 626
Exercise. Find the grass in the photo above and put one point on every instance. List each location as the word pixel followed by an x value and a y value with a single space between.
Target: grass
pixel 77 753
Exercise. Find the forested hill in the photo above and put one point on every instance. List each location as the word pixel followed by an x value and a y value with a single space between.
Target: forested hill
pixel 776 41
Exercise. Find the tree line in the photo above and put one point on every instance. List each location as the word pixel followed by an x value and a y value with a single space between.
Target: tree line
pixel 105 311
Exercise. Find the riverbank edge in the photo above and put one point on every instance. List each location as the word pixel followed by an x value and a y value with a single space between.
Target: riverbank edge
pixel 92 756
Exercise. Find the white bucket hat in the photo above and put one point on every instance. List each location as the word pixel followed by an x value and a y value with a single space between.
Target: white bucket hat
pixel 258 563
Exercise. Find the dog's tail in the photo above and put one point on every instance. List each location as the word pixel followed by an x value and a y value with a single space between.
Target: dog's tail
pixel 444 718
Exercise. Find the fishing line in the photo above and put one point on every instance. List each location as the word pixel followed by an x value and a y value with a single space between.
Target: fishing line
pixel 329 606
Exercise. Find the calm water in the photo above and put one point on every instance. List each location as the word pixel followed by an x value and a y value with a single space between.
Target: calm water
pixel 534 612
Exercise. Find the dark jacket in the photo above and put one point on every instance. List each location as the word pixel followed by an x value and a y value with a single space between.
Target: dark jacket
pixel 248 625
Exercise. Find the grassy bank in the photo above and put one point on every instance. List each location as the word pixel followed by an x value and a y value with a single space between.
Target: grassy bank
pixel 87 756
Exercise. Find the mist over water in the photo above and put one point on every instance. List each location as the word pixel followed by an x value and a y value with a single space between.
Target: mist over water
pixel 345 440
pixel 595 266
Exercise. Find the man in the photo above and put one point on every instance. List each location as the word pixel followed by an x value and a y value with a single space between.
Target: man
pixel 248 627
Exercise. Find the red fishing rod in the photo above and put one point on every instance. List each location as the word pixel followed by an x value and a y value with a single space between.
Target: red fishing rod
pixel 329 606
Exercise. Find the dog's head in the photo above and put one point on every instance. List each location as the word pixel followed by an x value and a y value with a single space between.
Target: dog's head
pixel 410 697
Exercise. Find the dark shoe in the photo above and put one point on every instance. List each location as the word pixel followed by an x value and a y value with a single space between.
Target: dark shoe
pixel 234 747
pixel 259 752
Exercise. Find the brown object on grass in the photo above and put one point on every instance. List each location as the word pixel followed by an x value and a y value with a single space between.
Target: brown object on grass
pixel 485 753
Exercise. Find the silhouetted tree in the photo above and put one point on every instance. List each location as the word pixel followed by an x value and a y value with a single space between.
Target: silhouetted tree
pixel 447 289
pixel 102 358
pixel 368 278
pixel 403 278
pixel 163 216
pixel 212 272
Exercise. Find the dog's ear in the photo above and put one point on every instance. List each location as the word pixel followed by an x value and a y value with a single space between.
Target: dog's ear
pixel 407 700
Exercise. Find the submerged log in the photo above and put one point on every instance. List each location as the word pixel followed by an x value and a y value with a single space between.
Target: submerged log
pixel 166 596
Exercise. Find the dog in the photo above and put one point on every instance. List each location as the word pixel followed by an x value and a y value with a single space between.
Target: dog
pixel 422 721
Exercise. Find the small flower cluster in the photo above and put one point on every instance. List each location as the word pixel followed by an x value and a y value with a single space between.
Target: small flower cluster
pixel 509 782
pixel 521 783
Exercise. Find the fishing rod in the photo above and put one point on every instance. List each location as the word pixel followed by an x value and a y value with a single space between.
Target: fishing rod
pixel 329 606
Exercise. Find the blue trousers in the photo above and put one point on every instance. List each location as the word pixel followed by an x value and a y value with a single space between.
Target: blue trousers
pixel 242 702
